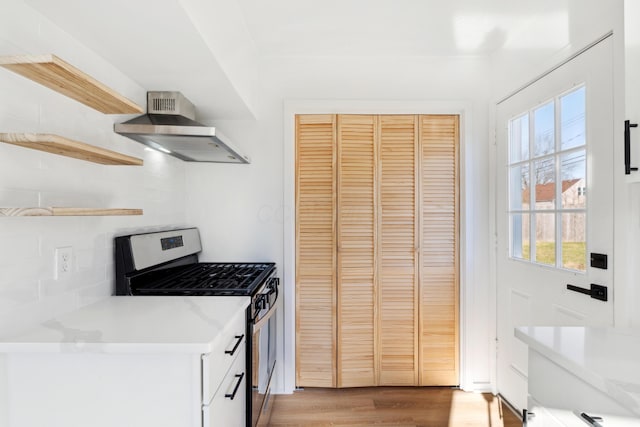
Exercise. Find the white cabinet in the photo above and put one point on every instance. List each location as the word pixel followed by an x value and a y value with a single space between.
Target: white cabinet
pixel 576 370
pixel 224 379
pixel 104 390
pixel 227 407
pixel 541 416
pixel 216 364
pixel 557 397
pixel 132 361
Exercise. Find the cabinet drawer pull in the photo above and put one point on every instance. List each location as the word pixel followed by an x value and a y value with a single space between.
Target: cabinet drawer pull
pixel 235 389
pixel 591 420
pixel 235 347
pixel 526 416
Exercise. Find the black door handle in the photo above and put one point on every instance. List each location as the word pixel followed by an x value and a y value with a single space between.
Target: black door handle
pixel 598 292
pixel 627 146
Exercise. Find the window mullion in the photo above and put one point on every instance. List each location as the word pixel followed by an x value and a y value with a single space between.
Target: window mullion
pixel 559 182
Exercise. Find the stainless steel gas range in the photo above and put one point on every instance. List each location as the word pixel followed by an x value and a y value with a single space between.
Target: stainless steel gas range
pixel 166 263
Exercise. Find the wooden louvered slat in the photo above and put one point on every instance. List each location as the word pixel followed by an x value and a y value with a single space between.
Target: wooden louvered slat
pixel 397 298
pixel 356 221
pixel 315 251
pixel 439 138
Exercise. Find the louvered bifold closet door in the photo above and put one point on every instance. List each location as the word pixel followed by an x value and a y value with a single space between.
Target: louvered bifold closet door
pixel 356 234
pixel 439 250
pixel 315 251
pixel 398 243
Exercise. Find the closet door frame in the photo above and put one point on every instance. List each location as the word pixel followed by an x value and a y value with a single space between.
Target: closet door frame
pixel 286 321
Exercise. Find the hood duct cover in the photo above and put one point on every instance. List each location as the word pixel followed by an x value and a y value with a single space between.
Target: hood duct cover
pixel 169 126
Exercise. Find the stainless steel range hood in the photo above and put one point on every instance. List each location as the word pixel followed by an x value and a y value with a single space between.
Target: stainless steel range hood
pixel 169 126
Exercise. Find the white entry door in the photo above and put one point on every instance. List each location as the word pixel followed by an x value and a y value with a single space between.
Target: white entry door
pixel 554 206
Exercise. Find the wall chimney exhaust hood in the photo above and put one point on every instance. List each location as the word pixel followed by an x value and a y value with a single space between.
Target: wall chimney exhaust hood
pixel 169 126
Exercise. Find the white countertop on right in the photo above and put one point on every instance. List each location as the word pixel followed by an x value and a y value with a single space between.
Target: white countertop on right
pixel 606 358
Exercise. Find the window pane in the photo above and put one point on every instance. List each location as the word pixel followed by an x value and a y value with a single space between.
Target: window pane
pixel 574 247
pixel 572 119
pixel 519 138
pixel 545 238
pixel 544 130
pixel 519 195
pixel 520 236
pixel 573 171
pixel 545 197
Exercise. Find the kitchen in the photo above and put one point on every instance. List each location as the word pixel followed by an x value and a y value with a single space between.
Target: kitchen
pixel 248 75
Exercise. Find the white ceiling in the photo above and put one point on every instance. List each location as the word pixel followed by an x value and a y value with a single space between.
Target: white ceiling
pixel 389 28
pixel 191 45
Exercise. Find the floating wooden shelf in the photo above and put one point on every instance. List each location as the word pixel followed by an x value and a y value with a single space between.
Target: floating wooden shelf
pixel 67 212
pixel 56 74
pixel 67 147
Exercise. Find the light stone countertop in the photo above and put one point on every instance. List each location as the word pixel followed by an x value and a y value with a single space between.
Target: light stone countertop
pixel 606 358
pixel 133 324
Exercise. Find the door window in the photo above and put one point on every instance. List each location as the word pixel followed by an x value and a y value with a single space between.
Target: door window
pixel 547 183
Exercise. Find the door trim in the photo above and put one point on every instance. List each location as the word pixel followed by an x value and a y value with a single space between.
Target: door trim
pixel 287 321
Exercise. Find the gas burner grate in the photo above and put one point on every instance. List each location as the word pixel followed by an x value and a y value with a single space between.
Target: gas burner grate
pixel 209 279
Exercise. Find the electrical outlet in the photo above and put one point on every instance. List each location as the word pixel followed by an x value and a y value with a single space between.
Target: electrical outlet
pixel 64 262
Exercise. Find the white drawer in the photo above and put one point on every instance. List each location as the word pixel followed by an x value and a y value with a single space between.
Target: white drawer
pixel 550 417
pixel 556 387
pixel 229 404
pixel 216 364
pixel 555 417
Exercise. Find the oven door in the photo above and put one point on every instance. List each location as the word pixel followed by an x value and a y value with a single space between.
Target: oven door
pixel 263 354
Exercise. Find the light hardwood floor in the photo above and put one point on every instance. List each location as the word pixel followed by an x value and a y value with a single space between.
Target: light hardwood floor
pixel 390 406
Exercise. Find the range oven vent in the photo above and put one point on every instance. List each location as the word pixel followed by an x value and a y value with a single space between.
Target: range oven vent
pixel 173 103
pixel 168 105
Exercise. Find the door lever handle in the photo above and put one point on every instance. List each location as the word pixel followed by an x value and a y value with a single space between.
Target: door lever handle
pixel 598 292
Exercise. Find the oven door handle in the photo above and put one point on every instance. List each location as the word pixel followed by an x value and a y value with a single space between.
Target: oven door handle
pixel 260 323
pixel 273 287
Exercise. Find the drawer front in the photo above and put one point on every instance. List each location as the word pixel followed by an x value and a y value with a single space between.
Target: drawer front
pixel 542 416
pixel 549 385
pixel 555 417
pixel 229 404
pixel 216 364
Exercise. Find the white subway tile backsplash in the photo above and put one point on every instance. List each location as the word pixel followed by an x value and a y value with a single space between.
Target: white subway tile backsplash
pixel 81 199
pixel 19 284
pixel 91 294
pixel 92 258
pixel 29 293
pixel 19 165
pixel 17 246
pixel 18 116
pixel 18 197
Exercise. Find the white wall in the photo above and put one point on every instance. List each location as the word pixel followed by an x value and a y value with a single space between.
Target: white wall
pixel 28 292
pixel 244 211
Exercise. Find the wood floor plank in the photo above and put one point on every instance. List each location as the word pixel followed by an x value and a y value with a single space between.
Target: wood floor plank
pixel 390 406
